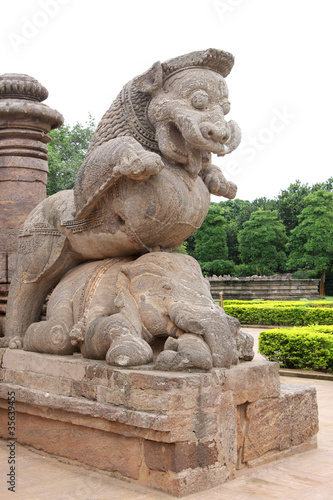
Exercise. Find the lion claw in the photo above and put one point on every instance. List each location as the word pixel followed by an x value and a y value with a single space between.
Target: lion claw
pixel 140 166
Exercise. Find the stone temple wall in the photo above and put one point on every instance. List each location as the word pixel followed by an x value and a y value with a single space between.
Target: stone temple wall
pixel 264 288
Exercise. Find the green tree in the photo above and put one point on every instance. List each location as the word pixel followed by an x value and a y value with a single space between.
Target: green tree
pixel 235 212
pixel 264 204
pixel 190 246
pixel 232 229
pixel 326 186
pixel 67 150
pixel 311 242
pixel 262 241
pixel 290 203
pixel 218 267
pixel 182 249
pixel 210 239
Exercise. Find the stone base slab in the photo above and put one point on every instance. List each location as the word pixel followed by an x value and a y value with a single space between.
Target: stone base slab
pixel 176 432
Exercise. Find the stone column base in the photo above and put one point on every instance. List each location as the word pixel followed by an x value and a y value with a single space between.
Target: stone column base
pixel 176 432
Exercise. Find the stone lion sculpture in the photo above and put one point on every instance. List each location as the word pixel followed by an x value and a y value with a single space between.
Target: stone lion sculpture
pixel 114 309
pixel 144 185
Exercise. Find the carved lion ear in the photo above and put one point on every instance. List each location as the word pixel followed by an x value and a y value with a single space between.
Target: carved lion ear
pixel 151 80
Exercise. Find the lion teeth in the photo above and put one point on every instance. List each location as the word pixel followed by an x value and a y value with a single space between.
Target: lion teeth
pixel 179 151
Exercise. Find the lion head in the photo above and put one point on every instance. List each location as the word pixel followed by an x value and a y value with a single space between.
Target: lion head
pixel 176 108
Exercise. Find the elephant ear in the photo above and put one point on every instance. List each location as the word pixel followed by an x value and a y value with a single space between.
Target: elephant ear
pixel 126 303
pixel 151 80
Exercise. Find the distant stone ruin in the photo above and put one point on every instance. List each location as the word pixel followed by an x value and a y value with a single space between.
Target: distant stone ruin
pixel 264 287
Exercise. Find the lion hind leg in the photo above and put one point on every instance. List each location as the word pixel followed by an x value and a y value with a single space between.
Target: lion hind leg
pixel 28 290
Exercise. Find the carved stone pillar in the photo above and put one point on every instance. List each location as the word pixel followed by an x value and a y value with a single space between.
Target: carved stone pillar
pixel 24 124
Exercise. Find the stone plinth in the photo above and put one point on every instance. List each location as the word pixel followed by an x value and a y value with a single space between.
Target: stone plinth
pixel 24 124
pixel 176 432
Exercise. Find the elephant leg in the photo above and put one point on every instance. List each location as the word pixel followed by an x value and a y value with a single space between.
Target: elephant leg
pixel 52 336
pixel 211 323
pixel 189 351
pixel 244 341
pixel 114 339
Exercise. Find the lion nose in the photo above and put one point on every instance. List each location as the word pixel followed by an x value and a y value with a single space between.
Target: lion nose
pixel 216 133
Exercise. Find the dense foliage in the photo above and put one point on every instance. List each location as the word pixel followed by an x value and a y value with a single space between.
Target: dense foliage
pixel 262 241
pixel 304 348
pixel 67 150
pixel 311 241
pixel 210 239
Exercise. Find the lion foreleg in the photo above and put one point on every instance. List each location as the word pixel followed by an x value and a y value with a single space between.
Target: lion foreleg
pixel 217 184
pixel 122 156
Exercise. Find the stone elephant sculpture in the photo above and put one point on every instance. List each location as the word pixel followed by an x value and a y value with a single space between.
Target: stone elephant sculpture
pixel 144 185
pixel 114 309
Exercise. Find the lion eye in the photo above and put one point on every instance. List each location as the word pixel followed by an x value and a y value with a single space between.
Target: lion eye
pixel 199 99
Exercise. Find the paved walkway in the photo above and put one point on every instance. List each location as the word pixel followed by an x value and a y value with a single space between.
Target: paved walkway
pixel 305 476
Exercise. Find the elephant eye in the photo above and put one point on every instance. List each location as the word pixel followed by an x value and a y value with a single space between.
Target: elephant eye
pixel 225 106
pixel 199 99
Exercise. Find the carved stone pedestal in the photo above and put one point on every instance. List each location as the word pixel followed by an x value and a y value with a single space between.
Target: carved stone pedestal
pixel 176 432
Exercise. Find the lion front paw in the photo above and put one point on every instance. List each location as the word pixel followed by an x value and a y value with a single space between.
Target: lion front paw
pixel 140 165
pixel 217 184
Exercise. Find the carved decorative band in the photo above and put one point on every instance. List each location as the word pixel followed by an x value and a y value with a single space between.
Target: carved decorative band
pixel 139 124
pixel 24 133
pixel 78 226
pixel 33 153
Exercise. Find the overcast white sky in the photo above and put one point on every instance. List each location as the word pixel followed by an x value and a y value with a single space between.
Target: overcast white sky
pixel 281 86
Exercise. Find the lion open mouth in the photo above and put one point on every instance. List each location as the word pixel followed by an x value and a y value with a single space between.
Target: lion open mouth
pixel 177 141
pixel 187 147
pixel 183 151
pixel 176 147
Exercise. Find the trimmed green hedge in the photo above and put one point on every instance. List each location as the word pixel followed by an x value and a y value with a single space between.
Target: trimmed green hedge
pixel 280 313
pixel 304 348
